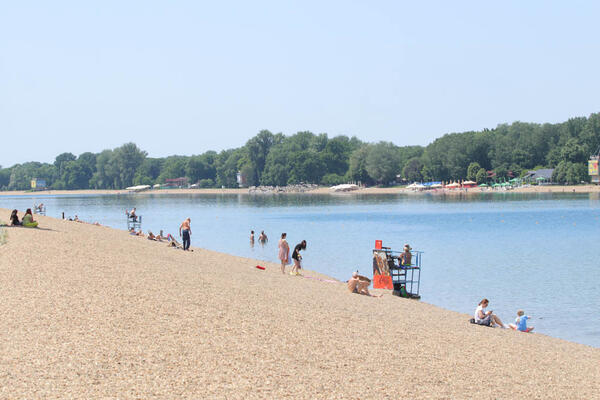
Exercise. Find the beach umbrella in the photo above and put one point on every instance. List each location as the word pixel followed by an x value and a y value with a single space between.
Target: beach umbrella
pixel 483 185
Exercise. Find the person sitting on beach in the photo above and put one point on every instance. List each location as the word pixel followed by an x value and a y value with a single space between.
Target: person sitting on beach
pixel 521 322
pixel 487 318
pixel 263 237
pixel 140 233
pixel 297 258
pixel 14 218
pixel 131 214
pixel 173 242
pixel 406 257
pixel 359 284
pixel 151 236
pixel 28 218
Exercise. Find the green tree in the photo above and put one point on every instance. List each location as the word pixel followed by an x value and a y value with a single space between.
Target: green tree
pixel 570 173
pixel 472 171
pixel 357 165
pixel 126 160
pixel 148 172
pixel 4 178
pixel 481 176
pixel 412 170
pixel 332 179
pixel 62 159
pixel 227 167
pixel 105 175
pixel 257 150
pixel 173 167
pixel 383 162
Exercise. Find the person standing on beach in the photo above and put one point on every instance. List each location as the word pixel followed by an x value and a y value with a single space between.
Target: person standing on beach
pixel 284 252
pixel 297 257
pixel 185 231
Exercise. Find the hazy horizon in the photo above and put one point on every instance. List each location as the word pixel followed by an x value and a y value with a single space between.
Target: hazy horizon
pixel 188 77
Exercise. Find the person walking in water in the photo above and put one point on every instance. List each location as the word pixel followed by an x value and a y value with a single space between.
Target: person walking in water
pixel 185 231
pixel 284 252
pixel 297 257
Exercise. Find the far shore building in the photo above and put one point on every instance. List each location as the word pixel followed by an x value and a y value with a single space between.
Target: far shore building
pixel 539 175
pixel 242 181
pixel 177 182
pixel 593 170
pixel 38 184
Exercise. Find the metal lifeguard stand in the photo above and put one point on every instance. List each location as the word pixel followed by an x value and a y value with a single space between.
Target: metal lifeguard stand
pixel 39 209
pixel 406 279
pixel 134 222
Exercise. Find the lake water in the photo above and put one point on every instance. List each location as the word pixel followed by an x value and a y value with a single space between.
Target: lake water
pixel 539 252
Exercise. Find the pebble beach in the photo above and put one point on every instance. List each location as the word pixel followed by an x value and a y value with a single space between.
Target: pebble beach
pixel 93 312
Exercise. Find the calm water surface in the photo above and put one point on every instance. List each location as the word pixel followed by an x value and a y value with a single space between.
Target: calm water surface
pixel 539 252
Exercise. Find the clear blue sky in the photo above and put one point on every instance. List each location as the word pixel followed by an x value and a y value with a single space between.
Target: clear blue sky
pixel 183 77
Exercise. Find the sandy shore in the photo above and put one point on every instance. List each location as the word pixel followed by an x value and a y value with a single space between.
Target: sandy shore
pixel 92 312
pixel 321 190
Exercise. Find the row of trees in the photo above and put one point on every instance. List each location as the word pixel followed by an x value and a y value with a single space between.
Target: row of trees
pixel 276 159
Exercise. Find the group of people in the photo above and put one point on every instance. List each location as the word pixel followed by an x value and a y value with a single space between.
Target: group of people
pixel 488 318
pixel 284 255
pixel 185 232
pixel 262 238
pixel 27 220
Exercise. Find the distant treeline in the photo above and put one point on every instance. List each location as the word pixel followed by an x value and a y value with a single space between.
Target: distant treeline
pixel 276 159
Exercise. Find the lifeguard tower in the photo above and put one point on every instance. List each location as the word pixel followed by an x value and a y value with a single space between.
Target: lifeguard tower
pixel 593 170
pixel 39 209
pixel 389 273
pixel 134 221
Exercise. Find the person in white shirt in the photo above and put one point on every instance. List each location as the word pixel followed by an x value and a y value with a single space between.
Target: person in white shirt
pixel 487 318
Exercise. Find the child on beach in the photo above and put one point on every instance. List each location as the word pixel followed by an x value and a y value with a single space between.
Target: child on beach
pixel 297 258
pixel 521 322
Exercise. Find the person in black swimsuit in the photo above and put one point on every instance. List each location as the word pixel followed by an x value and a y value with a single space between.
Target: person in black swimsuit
pixel 14 218
pixel 297 257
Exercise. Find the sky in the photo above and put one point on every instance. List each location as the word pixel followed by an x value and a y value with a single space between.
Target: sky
pixel 184 77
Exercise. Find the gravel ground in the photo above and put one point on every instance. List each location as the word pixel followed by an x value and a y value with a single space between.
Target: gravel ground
pixel 92 312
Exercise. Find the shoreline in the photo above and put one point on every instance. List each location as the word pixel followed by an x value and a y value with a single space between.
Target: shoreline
pixel 93 312
pixel 320 191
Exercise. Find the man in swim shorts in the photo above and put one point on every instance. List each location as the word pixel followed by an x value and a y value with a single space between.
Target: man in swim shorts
pixel 185 231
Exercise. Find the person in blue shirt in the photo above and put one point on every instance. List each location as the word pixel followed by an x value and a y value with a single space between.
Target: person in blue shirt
pixel 521 322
